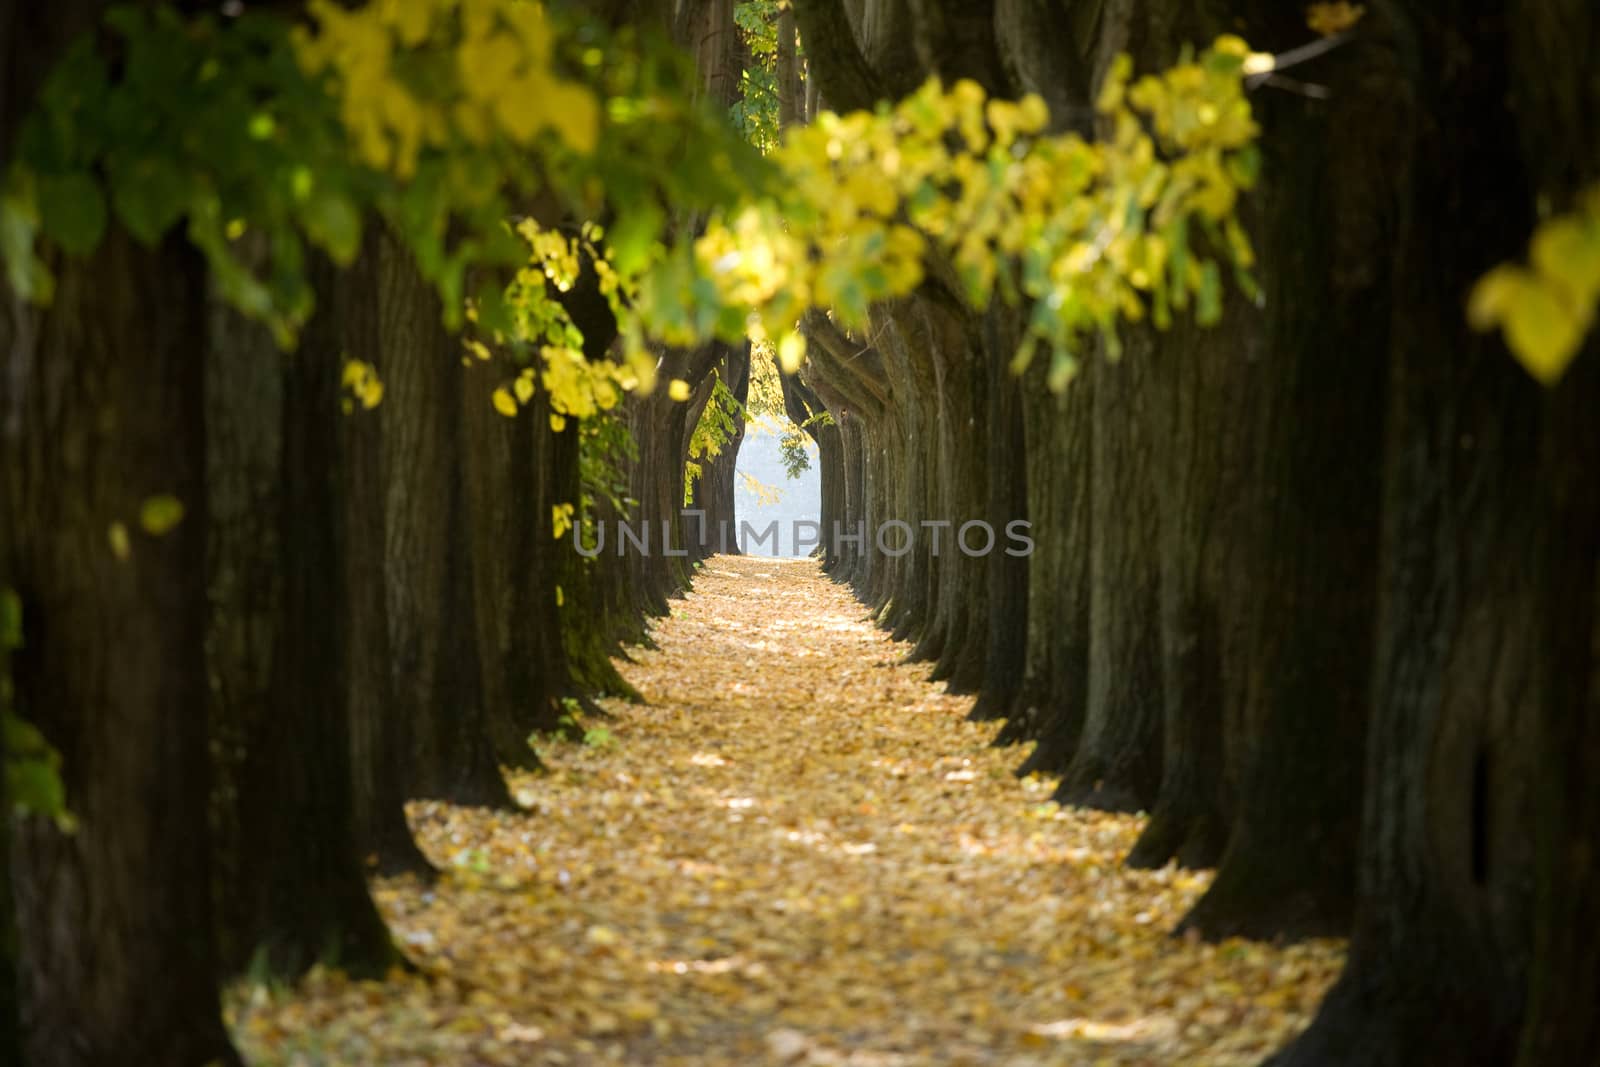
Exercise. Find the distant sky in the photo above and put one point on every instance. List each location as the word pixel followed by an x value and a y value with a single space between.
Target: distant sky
pixel 800 498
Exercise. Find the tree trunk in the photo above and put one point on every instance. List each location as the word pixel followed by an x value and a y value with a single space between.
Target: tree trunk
pixel 10 1006
pixel 1117 764
pixel 791 95
pixel 509 533
pixel 1295 681
pixel 1564 974
pixel 1059 447
pixel 382 739
pixel 300 880
pixel 1439 955
pixel 245 377
pixel 1558 101
pixel 1199 384
pixel 101 407
pixel 1006 575
pixel 433 639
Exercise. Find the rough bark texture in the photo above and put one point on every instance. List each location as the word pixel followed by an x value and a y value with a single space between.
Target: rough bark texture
pixel 1117 764
pixel 1200 383
pixel 101 407
pixel 1296 692
pixel 1440 949
pixel 382 739
pixel 1564 974
pixel 10 997
pixel 1558 101
pixel 245 376
pixel 299 887
pixel 1006 574
pixel 433 638
pixel 1058 440
pixel 518 635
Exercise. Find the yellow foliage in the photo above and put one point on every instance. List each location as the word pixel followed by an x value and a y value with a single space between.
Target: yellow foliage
pixel 561 519
pixel 503 86
pixel 1546 309
pixel 361 380
pixel 1329 19
pixel 801 852
pixel 1084 227
pixel 158 515
pixel 117 538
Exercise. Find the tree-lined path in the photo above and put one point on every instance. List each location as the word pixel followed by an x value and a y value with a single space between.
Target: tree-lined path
pixel 336 335
pixel 799 851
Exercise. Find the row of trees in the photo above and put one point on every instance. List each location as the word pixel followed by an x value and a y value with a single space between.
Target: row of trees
pixel 1315 587
pixel 353 610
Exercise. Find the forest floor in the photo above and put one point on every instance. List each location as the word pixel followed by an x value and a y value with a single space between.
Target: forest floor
pixel 798 852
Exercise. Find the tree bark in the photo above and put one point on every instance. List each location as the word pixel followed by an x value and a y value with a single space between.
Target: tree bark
pixel 382 740
pixel 1117 764
pixel 1059 446
pixel 518 633
pixel 101 407
pixel 1558 101
pixel 1439 955
pixel 300 881
pixel 1005 654
pixel 1295 682
pixel 433 639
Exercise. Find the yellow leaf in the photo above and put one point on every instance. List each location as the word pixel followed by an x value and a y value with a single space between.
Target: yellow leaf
pixel 524 387
pixel 1494 294
pixel 678 390
pixel 159 514
pixel 557 422
pixel 1333 18
pixel 117 536
pixel 575 116
pixel 792 352
pixel 1543 333
pixel 1567 250
pixel 504 402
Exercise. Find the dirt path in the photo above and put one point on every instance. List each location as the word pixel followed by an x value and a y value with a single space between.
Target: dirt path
pixel 798 852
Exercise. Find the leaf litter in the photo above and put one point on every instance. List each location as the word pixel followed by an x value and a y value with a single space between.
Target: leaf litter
pixel 798 852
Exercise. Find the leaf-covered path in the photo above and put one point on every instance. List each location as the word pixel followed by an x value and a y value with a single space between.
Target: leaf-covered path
pixel 798 852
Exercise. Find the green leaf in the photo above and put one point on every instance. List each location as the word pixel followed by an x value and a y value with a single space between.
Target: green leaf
pixel 632 236
pixel 333 222
pixel 1208 302
pixel 33 787
pixel 150 195
pixel 1244 166
pixel 1063 367
pixel 72 211
pixel 26 273
pixel 32 771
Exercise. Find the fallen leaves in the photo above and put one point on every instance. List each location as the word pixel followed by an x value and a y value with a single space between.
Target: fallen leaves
pixel 798 852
